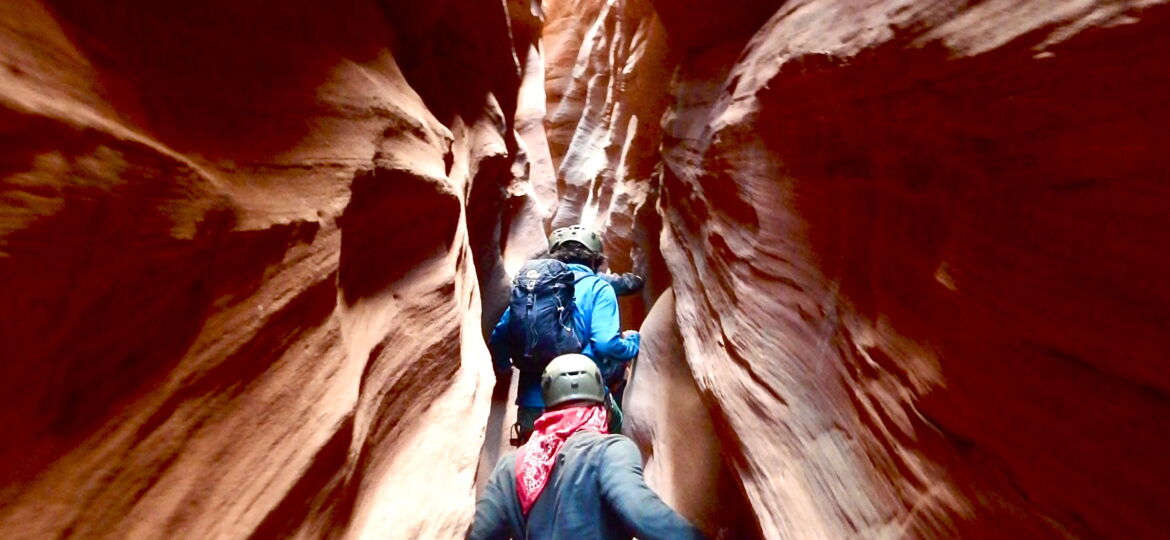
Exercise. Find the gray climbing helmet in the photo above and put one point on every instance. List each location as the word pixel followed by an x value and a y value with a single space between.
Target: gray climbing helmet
pixel 575 233
pixel 571 377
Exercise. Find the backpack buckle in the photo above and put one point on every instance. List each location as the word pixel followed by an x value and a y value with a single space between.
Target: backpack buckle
pixel 515 439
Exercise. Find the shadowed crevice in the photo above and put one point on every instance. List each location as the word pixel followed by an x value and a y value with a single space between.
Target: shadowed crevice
pixel 395 221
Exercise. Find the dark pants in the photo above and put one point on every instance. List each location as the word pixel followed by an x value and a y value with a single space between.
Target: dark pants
pixel 525 419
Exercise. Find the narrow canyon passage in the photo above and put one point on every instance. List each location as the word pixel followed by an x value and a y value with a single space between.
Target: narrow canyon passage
pixel 905 261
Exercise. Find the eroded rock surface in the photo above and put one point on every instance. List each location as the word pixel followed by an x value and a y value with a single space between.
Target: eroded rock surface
pixel 249 252
pixel 608 73
pixel 672 425
pixel 236 264
pixel 911 246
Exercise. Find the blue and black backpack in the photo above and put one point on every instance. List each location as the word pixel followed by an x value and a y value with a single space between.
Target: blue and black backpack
pixel 540 326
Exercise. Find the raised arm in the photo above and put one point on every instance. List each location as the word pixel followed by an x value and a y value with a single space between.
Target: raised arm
pixel 491 522
pixel 625 491
pixel 624 284
pixel 605 327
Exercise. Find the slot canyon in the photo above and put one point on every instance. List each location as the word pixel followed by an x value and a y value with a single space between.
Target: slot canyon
pixel 901 259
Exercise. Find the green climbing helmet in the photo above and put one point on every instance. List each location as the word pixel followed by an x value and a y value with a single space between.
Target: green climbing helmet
pixel 575 233
pixel 571 377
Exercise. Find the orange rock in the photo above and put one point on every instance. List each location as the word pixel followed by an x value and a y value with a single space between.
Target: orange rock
pixel 236 241
pixel 249 253
pixel 686 463
pixel 910 246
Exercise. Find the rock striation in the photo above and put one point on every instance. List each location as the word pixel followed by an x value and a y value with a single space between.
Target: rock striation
pixel 671 423
pixel 608 73
pixel 903 276
pixel 909 245
pixel 241 254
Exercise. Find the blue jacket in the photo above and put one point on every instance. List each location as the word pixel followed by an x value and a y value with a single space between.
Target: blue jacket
pixel 595 318
pixel 596 491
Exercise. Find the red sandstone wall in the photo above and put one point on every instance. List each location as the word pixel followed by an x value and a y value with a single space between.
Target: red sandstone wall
pixel 607 78
pixel 915 248
pixel 238 288
pixel 667 416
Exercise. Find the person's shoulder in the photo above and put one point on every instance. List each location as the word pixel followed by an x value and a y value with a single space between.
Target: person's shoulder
pixel 614 449
pixel 593 437
pixel 605 440
pixel 603 284
pixel 596 282
pixel 620 442
pixel 507 464
pixel 584 277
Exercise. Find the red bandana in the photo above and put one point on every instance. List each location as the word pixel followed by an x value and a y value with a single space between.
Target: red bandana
pixel 534 461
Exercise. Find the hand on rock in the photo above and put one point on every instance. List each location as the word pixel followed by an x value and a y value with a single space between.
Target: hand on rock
pixel 623 284
pixel 629 334
pixel 633 282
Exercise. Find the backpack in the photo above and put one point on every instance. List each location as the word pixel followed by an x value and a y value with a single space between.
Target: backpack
pixel 540 327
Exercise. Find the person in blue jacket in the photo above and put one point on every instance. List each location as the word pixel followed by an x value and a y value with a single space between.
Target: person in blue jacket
pixel 573 480
pixel 596 319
